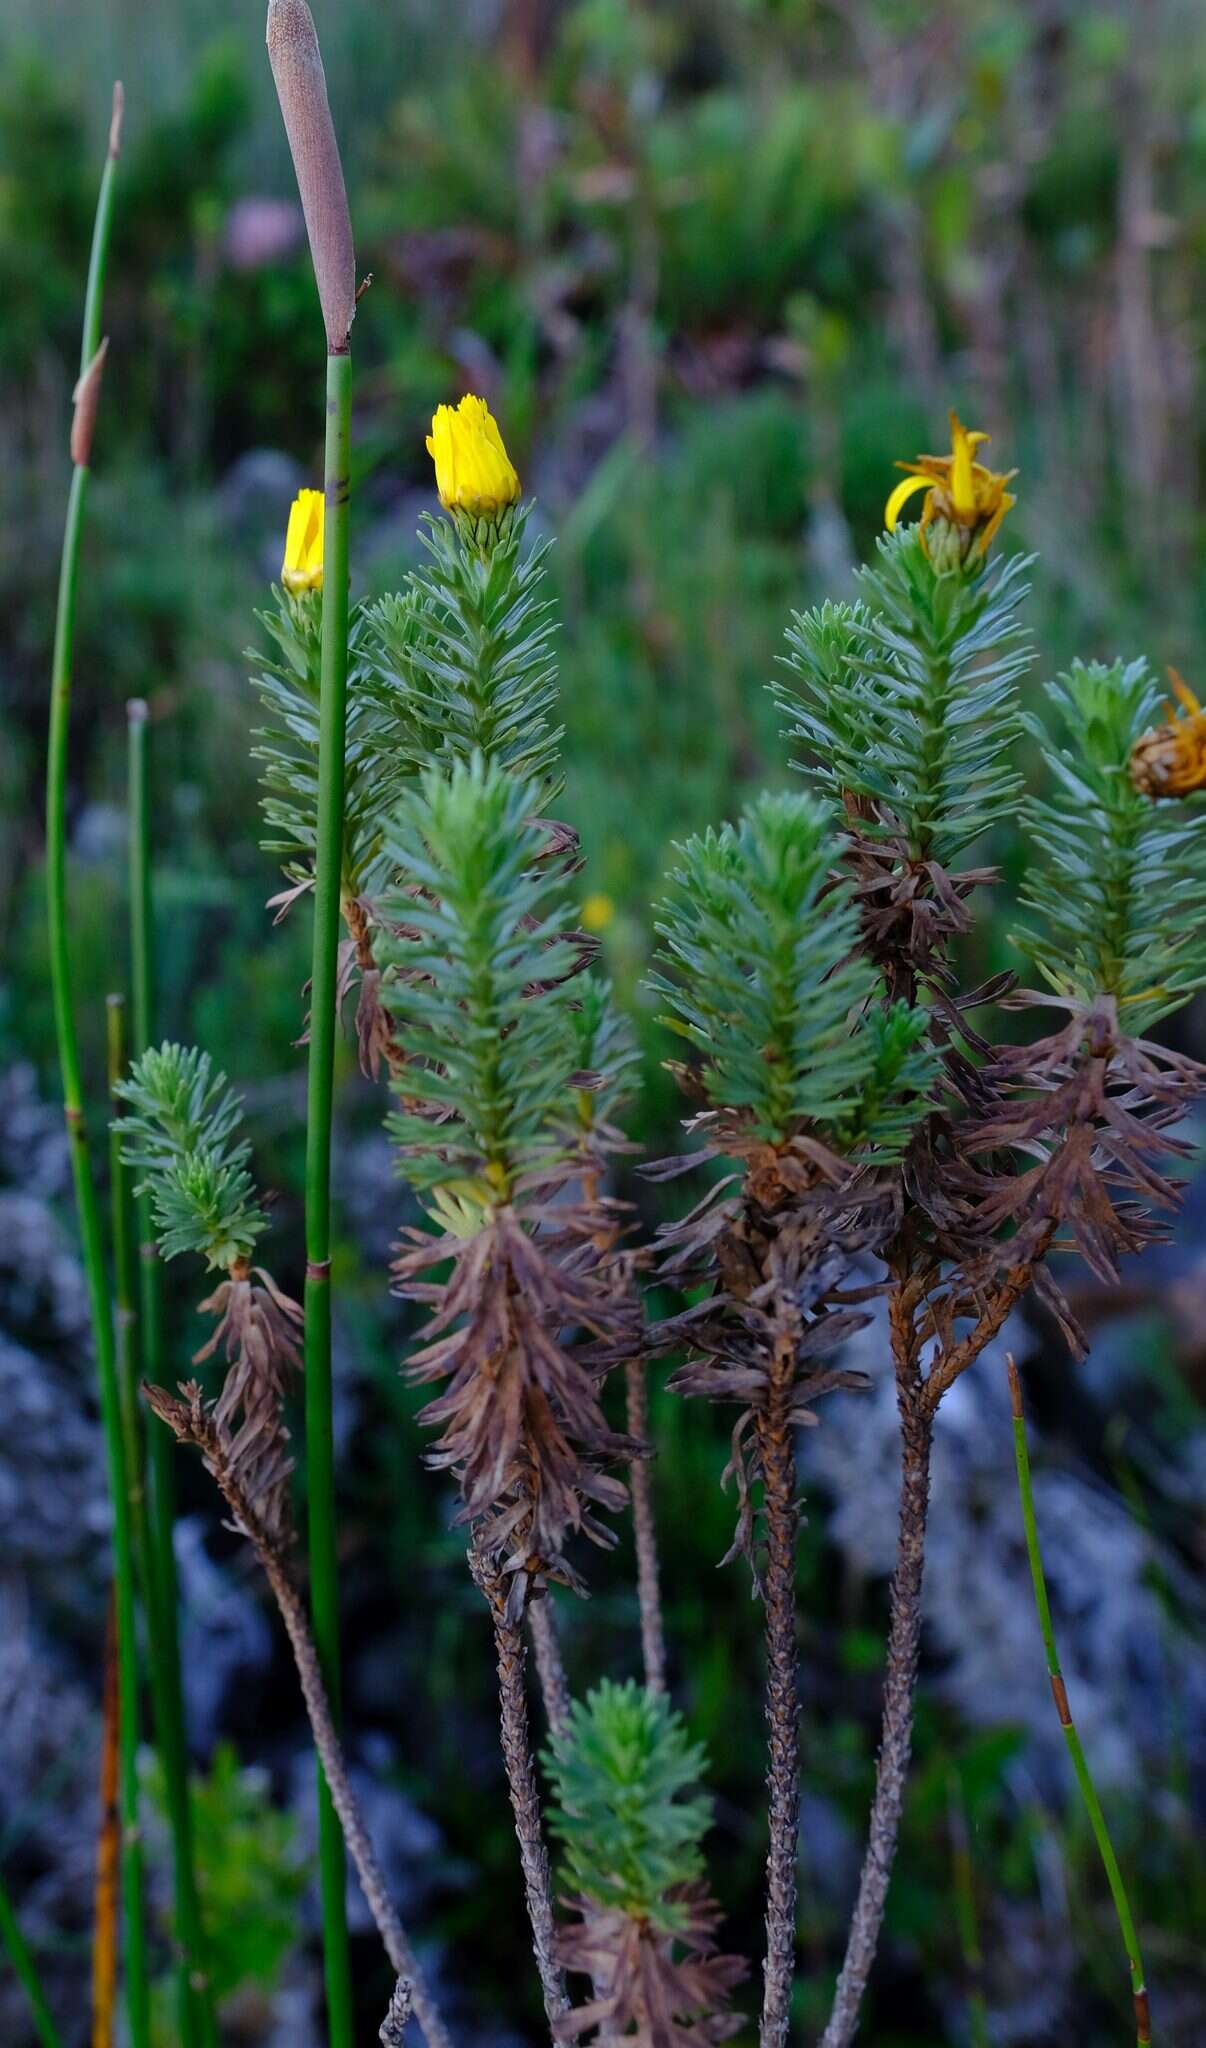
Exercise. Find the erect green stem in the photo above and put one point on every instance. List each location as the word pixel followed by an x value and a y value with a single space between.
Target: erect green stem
pixel 193 2002
pixel 1084 1778
pixel 136 1978
pixel 125 1288
pixel 320 1455
pixel 87 1203
pixel 26 1972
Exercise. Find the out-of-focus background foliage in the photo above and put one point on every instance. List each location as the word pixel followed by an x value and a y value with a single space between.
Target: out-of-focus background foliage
pixel 715 263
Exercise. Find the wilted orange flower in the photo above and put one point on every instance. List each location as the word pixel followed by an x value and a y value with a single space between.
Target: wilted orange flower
pixel 1171 759
pixel 965 501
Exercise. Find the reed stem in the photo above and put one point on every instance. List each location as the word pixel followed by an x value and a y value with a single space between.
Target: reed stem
pixel 320 1448
pixel 106 1892
pixel 1084 1777
pixel 87 1201
pixel 124 1616
pixel 193 2001
pixel 25 1971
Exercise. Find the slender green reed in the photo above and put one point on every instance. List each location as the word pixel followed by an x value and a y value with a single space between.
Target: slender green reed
pixel 26 1972
pixel 124 1422
pixel 87 1201
pixel 320 1455
pixel 194 2004
pixel 1084 1779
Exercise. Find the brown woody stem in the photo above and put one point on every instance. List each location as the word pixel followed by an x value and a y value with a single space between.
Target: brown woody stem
pixel 516 1738
pixel 782 1698
pixel 550 1665
pixel 640 1479
pixel 904 1648
pixel 1001 1305
pixel 393 2026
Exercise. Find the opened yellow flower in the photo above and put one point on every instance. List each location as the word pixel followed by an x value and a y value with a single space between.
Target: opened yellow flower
pixel 302 566
pixel 474 473
pixel 965 501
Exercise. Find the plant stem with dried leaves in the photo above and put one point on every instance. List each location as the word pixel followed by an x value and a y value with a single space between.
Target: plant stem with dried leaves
pixel 640 1481
pixel 903 1655
pixel 1084 1777
pixel 343 1799
pixel 393 2026
pixel 156 1520
pixel 777 1459
pixel 516 1737
pixel 918 1399
pixel 252 1471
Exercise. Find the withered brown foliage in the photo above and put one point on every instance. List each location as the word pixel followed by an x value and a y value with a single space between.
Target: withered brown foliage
pixel 523 1429
pixel 242 1434
pixel 652 1988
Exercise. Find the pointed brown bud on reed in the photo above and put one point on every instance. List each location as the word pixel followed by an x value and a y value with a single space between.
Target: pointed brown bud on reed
pixel 301 87
pixel 116 118
pixel 87 398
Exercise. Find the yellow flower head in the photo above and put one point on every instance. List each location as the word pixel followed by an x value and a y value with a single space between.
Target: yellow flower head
pixel 598 912
pixel 965 501
pixel 474 474
pixel 1171 759
pixel 302 566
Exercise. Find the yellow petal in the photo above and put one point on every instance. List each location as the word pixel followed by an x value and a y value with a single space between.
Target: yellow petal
pixel 302 566
pixel 901 495
pixel 963 483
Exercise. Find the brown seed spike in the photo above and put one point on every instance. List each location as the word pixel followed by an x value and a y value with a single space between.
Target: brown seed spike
pixel 87 398
pixel 116 118
pixel 301 87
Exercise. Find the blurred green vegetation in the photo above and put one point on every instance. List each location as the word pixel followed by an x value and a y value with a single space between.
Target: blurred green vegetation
pixel 716 264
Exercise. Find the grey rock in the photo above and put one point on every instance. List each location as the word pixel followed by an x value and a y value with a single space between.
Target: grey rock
pixel 33 1141
pixel 406 1842
pixel 1122 1658
pixel 226 1634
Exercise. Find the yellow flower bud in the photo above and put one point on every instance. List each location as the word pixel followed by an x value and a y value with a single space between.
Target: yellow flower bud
pixel 302 566
pixel 598 912
pixel 475 476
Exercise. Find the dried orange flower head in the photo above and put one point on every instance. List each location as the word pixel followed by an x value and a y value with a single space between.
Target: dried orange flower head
pixel 965 501
pixel 1171 759
pixel 302 566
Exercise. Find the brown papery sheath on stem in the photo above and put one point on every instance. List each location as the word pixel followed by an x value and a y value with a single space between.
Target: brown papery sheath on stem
pixel 301 87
